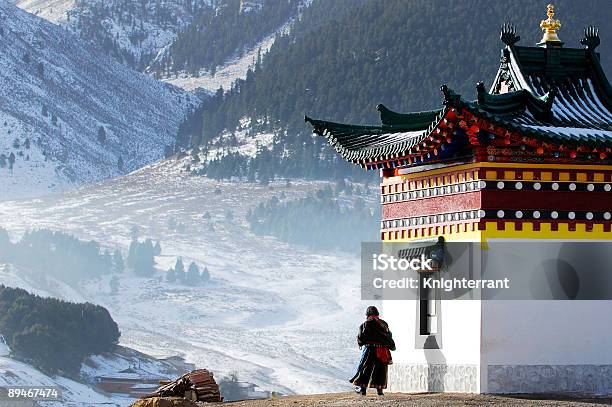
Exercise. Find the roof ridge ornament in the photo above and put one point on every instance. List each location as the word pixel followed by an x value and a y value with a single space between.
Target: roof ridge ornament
pixel 550 27
pixel 591 38
pixel 508 34
pixel 450 97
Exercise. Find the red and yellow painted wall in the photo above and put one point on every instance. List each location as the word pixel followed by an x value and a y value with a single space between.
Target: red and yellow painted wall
pixel 481 200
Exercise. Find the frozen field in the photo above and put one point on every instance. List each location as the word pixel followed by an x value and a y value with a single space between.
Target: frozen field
pixel 280 316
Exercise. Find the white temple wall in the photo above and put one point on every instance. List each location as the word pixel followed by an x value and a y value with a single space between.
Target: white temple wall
pixel 551 346
pixel 546 346
pixel 453 367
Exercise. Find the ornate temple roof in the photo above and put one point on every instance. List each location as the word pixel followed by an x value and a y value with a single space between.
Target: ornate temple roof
pixel 549 93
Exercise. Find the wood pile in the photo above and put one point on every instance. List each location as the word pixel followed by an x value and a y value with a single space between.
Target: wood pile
pixel 198 385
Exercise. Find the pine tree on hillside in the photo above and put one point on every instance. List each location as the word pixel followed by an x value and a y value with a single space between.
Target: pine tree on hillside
pixel 171 275
pixel 131 258
pixel 144 264
pixel 40 70
pixel 193 275
pixel 205 275
pixel 179 269
pixel 101 135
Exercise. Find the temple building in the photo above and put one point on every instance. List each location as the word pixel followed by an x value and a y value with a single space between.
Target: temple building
pixel 527 161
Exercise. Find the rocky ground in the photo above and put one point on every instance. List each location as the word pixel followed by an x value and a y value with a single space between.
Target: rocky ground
pixel 421 400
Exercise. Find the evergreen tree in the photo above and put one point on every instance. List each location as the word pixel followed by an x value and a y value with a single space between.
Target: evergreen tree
pixel 193 274
pixel 101 135
pixel 131 258
pixel 144 265
pixel 179 269
pixel 171 275
pixel 205 276
pixel 40 70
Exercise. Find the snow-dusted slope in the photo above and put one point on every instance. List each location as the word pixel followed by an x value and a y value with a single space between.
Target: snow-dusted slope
pixel 224 76
pixel 57 93
pixel 137 30
pixel 84 391
pixel 234 68
pixel 52 10
pixel 142 40
pixel 282 317
pixel 73 394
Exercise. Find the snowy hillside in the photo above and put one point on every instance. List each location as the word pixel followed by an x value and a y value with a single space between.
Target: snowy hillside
pixel 53 10
pixel 74 394
pixel 141 34
pixel 235 68
pixel 133 32
pixel 84 392
pixel 69 115
pixel 280 316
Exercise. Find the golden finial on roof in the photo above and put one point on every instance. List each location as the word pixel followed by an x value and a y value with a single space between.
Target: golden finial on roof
pixel 550 26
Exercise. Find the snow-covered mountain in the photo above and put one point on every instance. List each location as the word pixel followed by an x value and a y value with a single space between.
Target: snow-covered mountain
pixel 235 67
pixel 279 315
pixel 142 33
pixel 52 10
pixel 69 114
pixel 133 32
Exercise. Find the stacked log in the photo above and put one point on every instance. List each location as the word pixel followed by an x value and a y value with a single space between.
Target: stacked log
pixel 198 385
pixel 205 385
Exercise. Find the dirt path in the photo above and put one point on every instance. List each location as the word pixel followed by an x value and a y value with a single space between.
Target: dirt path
pixel 421 400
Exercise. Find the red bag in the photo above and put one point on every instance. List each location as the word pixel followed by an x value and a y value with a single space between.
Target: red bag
pixel 384 355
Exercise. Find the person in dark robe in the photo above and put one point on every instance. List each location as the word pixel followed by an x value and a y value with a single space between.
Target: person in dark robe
pixel 376 342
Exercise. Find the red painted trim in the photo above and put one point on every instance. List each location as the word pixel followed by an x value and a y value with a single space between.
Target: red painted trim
pixel 432 206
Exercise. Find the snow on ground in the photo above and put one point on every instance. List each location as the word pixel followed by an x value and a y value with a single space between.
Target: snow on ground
pixel 282 317
pixel 125 359
pixel 90 116
pixel 52 10
pixel 31 171
pixel 235 68
pixel 242 141
pixel 14 373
